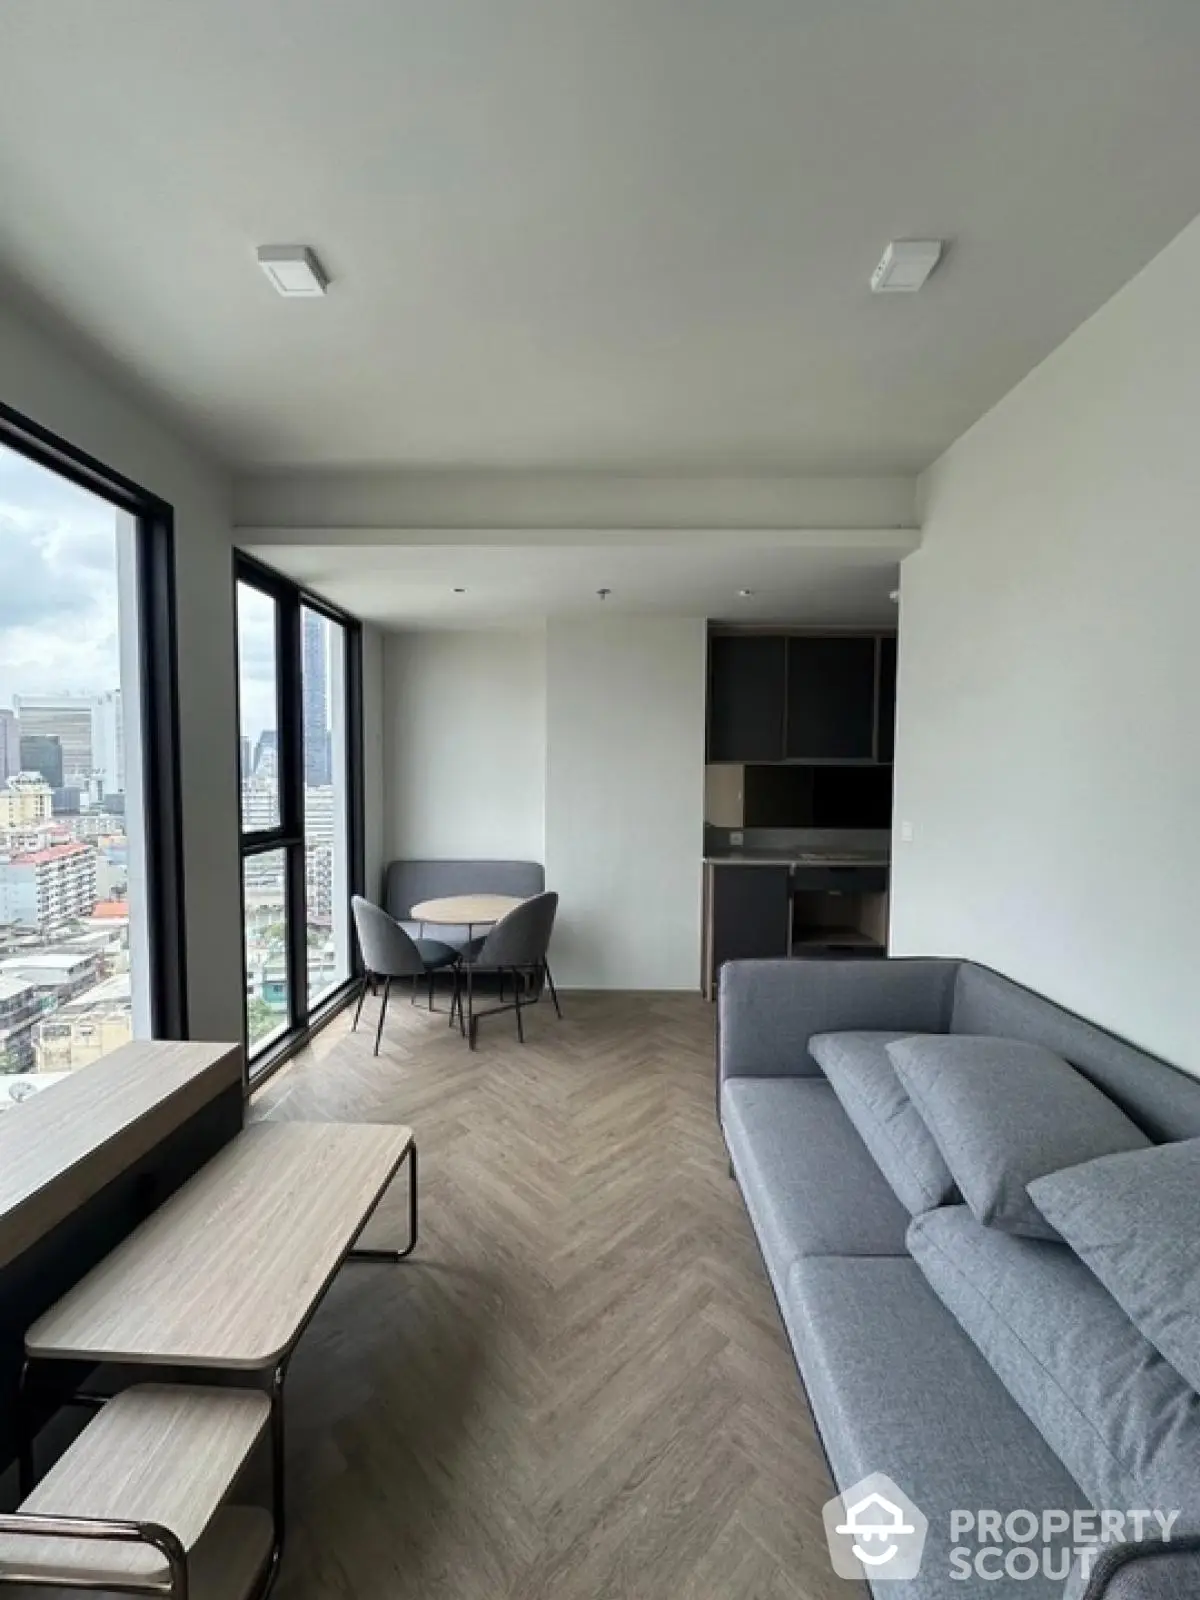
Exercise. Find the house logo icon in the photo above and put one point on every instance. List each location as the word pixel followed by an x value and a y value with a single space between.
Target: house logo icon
pixel 874 1531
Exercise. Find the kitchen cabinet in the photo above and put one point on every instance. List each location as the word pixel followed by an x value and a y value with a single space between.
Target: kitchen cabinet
pixel 801 697
pixel 747 916
pixel 746 686
pixel 830 699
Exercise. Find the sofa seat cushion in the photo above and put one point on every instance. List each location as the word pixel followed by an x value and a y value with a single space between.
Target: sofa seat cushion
pixel 1004 1112
pixel 877 1103
pixel 1124 1422
pixel 1133 1220
pixel 897 1387
pixel 808 1181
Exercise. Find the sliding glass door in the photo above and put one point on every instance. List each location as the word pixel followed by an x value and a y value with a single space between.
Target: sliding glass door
pixel 298 695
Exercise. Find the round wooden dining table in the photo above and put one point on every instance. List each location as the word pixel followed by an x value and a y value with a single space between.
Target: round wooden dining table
pixel 465 910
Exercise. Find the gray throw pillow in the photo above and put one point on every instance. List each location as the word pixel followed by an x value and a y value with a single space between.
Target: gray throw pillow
pixel 1003 1112
pixel 1133 1219
pixel 872 1096
pixel 1123 1421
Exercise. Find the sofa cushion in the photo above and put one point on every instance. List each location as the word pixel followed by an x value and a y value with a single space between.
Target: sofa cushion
pixel 897 1387
pixel 1147 1570
pixel 1004 1112
pixel 1124 1422
pixel 866 1083
pixel 1133 1219
pixel 810 1186
pixel 1164 1102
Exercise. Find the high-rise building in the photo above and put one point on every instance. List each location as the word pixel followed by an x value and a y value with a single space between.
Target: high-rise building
pixel 25 801
pixel 108 741
pixel 320 815
pixel 244 768
pixel 47 887
pixel 316 701
pixel 10 746
pixel 65 717
pixel 44 756
pixel 266 755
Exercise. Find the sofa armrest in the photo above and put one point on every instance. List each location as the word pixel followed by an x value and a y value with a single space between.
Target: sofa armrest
pixel 1151 1570
pixel 767 1011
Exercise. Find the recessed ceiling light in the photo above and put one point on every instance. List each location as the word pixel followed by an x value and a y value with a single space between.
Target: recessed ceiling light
pixel 293 270
pixel 905 266
pixel 745 594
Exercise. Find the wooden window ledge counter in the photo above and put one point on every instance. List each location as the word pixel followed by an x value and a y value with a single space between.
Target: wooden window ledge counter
pixel 65 1143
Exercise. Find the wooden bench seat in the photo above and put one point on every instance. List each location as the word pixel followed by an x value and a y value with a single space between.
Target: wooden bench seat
pixel 155 1453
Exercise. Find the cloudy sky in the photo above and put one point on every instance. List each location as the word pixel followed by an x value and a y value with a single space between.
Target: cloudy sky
pixel 58 596
pixel 58 584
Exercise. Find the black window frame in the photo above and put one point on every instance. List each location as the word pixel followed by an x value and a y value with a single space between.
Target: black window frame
pixel 158 712
pixel 291 599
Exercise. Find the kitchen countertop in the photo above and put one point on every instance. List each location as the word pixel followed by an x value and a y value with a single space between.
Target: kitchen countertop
pixel 831 857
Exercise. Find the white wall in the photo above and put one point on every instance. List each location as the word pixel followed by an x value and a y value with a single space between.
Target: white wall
pixel 465 739
pixel 625 800
pixel 50 384
pixel 1049 741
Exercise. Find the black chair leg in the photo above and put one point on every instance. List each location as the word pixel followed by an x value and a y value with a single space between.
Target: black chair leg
pixel 553 990
pixel 518 985
pixel 387 989
pixel 454 998
pixel 468 1027
pixel 362 995
pixel 431 988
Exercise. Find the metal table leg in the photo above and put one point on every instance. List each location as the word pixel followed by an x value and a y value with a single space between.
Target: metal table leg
pixel 371 1254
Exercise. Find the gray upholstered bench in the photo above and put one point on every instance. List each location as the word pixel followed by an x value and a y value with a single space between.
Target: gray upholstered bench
pixel 408 883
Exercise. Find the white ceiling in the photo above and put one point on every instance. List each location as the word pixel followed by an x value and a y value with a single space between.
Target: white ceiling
pixel 600 233
pixel 847 582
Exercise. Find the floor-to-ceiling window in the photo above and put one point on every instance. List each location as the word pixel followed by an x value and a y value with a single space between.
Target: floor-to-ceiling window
pixel 91 943
pixel 298 676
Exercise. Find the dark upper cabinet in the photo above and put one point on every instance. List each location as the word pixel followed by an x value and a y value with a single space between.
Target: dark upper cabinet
pixel 746 677
pixel 830 699
pixel 887 699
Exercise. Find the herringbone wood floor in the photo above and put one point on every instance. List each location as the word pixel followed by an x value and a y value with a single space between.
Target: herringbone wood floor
pixel 577 1388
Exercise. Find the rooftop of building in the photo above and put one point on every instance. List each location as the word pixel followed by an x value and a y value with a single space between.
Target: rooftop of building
pixel 110 910
pixel 40 858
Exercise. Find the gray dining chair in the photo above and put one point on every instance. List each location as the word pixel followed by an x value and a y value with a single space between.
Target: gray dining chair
pixel 389 953
pixel 517 946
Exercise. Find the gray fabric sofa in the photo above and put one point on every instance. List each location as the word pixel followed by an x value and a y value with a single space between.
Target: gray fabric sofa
pixel 895 1383
pixel 408 883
